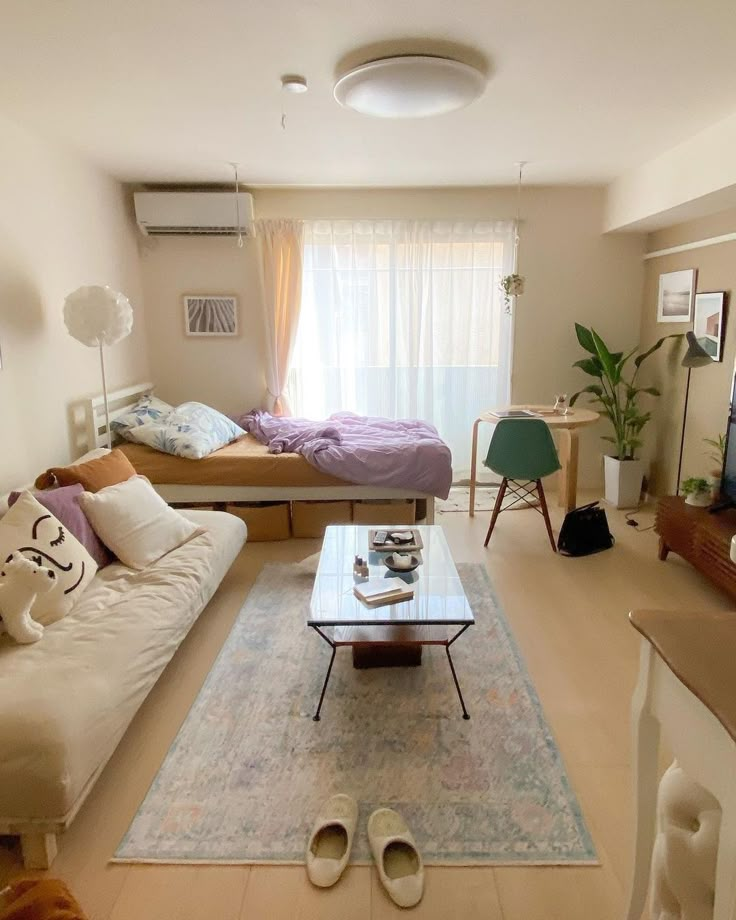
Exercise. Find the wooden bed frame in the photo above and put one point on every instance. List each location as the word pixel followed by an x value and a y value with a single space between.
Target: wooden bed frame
pixel 121 401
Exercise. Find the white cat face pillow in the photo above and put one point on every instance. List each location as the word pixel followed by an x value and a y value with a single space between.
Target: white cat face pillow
pixel 30 529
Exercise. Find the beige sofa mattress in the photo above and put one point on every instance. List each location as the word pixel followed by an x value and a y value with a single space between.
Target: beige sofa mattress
pixel 66 701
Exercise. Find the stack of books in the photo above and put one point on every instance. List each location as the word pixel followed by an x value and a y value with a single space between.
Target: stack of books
pixel 377 592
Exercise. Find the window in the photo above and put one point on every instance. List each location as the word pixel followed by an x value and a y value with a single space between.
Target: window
pixel 404 319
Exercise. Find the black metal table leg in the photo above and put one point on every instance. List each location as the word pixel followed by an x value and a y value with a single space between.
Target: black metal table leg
pixel 316 716
pixel 466 715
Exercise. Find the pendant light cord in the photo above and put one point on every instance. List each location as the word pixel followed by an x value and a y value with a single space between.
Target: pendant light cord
pixel 237 206
pixel 518 219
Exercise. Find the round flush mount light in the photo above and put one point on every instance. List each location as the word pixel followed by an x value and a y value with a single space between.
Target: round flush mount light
pixel 409 86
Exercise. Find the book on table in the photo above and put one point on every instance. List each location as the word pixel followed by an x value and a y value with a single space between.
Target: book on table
pixel 379 591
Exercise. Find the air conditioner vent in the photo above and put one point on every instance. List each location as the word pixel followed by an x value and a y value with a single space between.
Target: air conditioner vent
pixel 194 213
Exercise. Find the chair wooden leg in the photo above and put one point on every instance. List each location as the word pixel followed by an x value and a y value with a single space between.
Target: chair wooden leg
pixel 496 508
pixel 545 513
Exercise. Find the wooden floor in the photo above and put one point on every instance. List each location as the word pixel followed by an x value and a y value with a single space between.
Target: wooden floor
pixel 570 620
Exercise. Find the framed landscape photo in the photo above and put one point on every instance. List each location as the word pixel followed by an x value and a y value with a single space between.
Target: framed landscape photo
pixel 709 323
pixel 210 314
pixel 676 296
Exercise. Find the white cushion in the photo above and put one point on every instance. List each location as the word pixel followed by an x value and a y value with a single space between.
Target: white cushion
pixel 134 522
pixel 192 430
pixel 31 529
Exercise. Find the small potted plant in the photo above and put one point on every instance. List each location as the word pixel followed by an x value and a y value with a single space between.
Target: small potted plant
pixel 696 491
pixel 716 454
pixel 511 286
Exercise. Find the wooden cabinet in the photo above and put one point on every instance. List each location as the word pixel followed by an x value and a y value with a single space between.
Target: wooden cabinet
pixel 702 538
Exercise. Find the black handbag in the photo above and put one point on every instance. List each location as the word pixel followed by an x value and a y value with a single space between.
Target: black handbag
pixel 585 531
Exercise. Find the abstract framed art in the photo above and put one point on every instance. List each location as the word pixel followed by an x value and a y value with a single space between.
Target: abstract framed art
pixel 709 322
pixel 210 314
pixel 676 295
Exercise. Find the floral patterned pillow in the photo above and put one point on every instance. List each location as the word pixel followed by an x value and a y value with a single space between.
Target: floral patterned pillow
pixel 148 409
pixel 192 430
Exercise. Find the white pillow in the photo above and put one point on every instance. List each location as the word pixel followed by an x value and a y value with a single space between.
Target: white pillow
pixel 32 530
pixel 134 522
pixel 192 430
pixel 148 409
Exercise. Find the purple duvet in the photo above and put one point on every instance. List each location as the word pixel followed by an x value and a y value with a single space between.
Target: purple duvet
pixel 401 454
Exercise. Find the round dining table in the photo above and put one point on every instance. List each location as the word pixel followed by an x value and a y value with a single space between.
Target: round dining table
pixel 566 425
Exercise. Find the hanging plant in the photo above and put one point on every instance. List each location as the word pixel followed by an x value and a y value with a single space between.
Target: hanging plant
pixel 511 286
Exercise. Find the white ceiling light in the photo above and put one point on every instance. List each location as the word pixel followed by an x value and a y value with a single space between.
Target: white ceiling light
pixel 409 86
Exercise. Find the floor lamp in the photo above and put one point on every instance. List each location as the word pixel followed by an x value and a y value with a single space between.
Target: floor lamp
pixel 695 356
pixel 97 316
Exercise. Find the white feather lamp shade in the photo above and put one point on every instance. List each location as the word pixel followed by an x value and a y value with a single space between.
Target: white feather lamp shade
pixel 97 315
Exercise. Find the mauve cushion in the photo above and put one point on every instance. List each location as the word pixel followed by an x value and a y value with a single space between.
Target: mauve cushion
pixel 63 503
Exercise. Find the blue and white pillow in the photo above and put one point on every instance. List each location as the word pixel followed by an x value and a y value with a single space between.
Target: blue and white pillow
pixel 148 409
pixel 192 430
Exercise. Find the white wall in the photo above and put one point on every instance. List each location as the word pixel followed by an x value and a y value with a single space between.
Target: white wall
pixel 62 224
pixel 227 373
pixel 573 273
pixel 694 179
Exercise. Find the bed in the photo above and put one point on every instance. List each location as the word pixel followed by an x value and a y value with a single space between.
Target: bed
pixel 243 471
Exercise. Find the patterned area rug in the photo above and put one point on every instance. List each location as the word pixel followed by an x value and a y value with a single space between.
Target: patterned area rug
pixel 459 500
pixel 249 768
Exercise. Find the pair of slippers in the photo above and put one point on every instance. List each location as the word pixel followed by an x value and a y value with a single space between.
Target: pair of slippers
pixel 397 859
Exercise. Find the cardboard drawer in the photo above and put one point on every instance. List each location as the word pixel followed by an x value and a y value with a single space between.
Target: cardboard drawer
pixel 309 519
pixel 266 521
pixel 397 511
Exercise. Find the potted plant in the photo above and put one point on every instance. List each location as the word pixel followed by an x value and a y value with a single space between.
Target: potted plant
pixel 697 491
pixel 511 286
pixel 716 454
pixel 618 398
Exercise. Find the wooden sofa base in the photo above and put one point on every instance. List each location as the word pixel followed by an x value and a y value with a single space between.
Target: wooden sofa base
pixel 38 850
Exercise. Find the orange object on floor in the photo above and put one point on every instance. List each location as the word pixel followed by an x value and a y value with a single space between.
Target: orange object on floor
pixel 38 899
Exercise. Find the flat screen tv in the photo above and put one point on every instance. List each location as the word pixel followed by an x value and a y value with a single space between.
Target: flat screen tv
pixel 728 476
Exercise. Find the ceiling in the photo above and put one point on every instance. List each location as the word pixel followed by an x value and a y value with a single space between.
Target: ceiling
pixel 170 90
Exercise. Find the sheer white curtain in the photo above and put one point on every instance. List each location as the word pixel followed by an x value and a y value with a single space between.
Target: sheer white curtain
pixel 404 319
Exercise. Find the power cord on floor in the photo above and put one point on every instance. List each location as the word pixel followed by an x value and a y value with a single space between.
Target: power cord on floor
pixel 632 522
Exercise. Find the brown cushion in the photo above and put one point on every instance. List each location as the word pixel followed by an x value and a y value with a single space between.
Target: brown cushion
pixel 93 475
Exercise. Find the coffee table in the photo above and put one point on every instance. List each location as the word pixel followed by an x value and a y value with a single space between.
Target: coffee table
pixel 438 614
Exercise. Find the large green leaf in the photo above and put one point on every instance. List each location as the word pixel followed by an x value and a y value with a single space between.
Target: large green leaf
pixel 639 360
pixel 585 338
pixel 591 366
pixel 605 357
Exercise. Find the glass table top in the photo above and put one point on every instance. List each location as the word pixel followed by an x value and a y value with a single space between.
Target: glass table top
pixel 438 592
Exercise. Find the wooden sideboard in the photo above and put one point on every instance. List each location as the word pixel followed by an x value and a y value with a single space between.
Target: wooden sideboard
pixel 702 538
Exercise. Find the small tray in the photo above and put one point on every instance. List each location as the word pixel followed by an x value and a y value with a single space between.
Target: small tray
pixel 415 563
pixel 388 547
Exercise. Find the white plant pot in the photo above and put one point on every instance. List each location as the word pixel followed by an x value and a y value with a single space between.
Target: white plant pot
pixel 699 499
pixel 623 481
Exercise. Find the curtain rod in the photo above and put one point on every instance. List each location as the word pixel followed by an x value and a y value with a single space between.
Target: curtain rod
pixel 696 244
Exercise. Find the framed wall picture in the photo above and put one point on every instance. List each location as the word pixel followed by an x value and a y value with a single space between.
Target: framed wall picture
pixel 676 296
pixel 709 322
pixel 210 314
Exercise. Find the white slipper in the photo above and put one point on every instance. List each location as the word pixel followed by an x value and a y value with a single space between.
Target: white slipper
pixel 331 840
pixel 397 859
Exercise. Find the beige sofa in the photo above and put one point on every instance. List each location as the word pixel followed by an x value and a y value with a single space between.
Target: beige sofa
pixel 66 701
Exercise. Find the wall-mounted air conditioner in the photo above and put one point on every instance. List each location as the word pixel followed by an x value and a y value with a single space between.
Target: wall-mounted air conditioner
pixel 194 213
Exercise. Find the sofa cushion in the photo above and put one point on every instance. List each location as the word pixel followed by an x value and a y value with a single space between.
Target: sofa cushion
pixel 32 530
pixel 98 665
pixel 112 467
pixel 64 504
pixel 134 521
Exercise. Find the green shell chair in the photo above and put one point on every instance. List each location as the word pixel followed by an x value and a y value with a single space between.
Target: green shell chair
pixel 523 452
